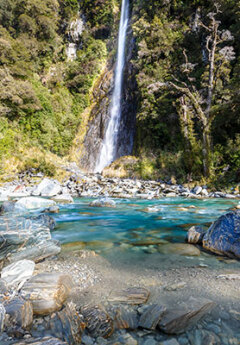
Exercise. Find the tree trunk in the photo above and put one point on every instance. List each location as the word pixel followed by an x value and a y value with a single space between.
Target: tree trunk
pixel 206 150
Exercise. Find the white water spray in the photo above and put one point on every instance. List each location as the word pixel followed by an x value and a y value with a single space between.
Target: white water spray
pixel 109 145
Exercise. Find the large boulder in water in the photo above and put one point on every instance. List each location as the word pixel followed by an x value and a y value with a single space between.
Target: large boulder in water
pixel 223 236
pixel 47 187
pixel 33 202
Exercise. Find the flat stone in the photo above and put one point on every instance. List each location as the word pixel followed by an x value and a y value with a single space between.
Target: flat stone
pixel 133 295
pixel 34 202
pixel 19 314
pixel 176 286
pixel 47 292
pixel 42 341
pixel 178 320
pixel 18 272
pixel 195 235
pixel 179 249
pixel 47 187
pixel 229 276
pixel 3 287
pixel 126 319
pixel 2 316
pixel 98 322
pixel 151 316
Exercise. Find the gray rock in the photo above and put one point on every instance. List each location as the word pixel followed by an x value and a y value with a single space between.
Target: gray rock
pixel 197 190
pixel 2 316
pixel 86 340
pixel 3 287
pixel 151 316
pixel 34 202
pixel 7 206
pixel 183 317
pixel 133 295
pixel 52 209
pixel 47 187
pixel 47 292
pixel 19 313
pixel 195 234
pixel 169 342
pixel 98 322
pixel 223 235
pixel 46 220
pixel 126 319
pixel 18 272
pixel 42 341
pixel 63 199
pixel 150 341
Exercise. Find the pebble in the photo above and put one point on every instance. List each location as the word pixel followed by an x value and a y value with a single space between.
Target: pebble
pixel 87 340
pixel 150 341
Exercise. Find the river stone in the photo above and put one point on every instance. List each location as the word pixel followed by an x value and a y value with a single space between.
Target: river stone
pixel 46 220
pixel 47 292
pixel 33 202
pixel 132 295
pixel 126 319
pixel 2 316
pixel 197 190
pixel 178 320
pixel 42 341
pixel 22 238
pixel 151 316
pixel 223 235
pixel 103 203
pixel 195 234
pixel 18 272
pixel 66 324
pixel 47 187
pixel 19 314
pixel 63 199
pixel 98 322
pixel 179 249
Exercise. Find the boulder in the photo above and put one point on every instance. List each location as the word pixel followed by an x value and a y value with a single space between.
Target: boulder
pixel 195 235
pixel 19 314
pixel 33 202
pixel 103 203
pixel 7 206
pixel 18 272
pixel 125 319
pixel 47 187
pixel 179 319
pixel 46 220
pixel 179 249
pixel 63 199
pixel 223 235
pixel 151 316
pixel 197 190
pixel 52 209
pixel 22 238
pixel 47 292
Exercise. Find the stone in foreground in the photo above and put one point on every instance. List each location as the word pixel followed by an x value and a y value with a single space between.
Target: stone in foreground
pixel 98 322
pixel 183 317
pixel 151 316
pixel 18 272
pixel 19 314
pixel 47 292
pixel 42 341
pixel 133 295
pixel 126 319
pixel 223 236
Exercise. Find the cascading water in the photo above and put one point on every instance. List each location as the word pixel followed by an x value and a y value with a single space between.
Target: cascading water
pixel 109 145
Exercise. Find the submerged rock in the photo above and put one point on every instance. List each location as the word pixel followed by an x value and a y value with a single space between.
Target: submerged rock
pixel 103 203
pixel 223 235
pixel 47 292
pixel 178 320
pixel 18 272
pixel 179 249
pixel 98 322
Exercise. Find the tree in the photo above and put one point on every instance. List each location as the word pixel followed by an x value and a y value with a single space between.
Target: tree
pixel 197 98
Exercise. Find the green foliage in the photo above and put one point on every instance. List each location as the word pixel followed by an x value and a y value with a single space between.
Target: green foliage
pixel 40 165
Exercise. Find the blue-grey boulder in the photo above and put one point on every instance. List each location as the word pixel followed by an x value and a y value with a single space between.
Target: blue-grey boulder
pixel 223 236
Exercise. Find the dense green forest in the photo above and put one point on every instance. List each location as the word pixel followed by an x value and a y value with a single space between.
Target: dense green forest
pixel 188 123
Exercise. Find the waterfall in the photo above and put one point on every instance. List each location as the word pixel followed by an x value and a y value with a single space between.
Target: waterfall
pixel 109 145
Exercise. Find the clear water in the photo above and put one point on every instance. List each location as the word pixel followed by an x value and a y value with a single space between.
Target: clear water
pixel 109 145
pixel 130 223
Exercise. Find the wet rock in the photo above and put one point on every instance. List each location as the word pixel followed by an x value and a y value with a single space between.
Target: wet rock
pixel 126 319
pixel 195 234
pixel 19 314
pixel 7 206
pixel 48 188
pixel 223 235
pixel 98 322
pixel 66 324
pixel 47 292
pixel 34 202
pixel 2 316
pixel 151 316
pixel 63 199
pixel 22 238
pixel 86 340
pixel 179 249
pixel 150 341
pixel 46 220
pixel 42 341
pixel 18 272
pixel 175 286
pixel 133 295
pixel 103 203
pixel 130 340
pixel 178 320
pixel 169 342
